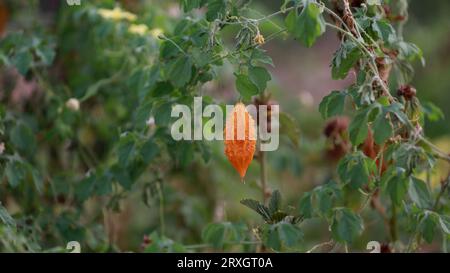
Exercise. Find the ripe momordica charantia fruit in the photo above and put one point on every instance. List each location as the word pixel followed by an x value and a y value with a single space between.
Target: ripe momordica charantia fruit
pixel 240 143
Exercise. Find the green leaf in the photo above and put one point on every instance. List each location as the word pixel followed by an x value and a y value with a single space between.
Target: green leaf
pixel 344 59
pixel 143 112
pixel 5 217
pixel 259 56
pixel 305 205
pixel 382 128
pixel 121 175
pixel 324 201
pixel 281 234
pixel 307 26
pixel 216 9
pixel 396 109
pixel 245 87
pixel 98 183
pixel 257 207
pixel 162 114
pixel 143 79
pixel 149 151
pixel 23 61
pixel 23 138
pixel 291 23
pixel 319 202
pixel 259 76
pixel 251 203
pixel 214 234
pixel 384 30
pixel 103 185
pixel 278 216
pixel 179 71
pixel 85 188
pixel 271 238
pixel 37 179
pixel 289 127
pixel 274 202
pixel 325 196
pixel 356 169
pixel 162 89
pixel 15 172
pixel 410 52
pixel 358 128
pixel 189 5
pixel 46 54
pixel 395 184
pixel 432 112
pixel 125 149
pixel 413 158
pixel 96 87
pixel 346 225
pixel 217 234
pixel 427 226
pixel 419 193
pixel 184 153
pixel 289 234
pixel 333 104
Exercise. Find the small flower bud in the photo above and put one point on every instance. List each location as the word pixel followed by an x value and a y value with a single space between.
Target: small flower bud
pixel 150 122
pixel 259 39
pixel 73 104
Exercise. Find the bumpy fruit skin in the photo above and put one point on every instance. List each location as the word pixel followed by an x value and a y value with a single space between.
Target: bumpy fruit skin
pixel 239 151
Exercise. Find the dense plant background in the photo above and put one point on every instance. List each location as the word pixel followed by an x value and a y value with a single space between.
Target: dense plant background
pixel 86 153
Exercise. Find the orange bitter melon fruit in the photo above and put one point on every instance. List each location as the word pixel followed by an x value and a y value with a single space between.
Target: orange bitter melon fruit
pixel 239 147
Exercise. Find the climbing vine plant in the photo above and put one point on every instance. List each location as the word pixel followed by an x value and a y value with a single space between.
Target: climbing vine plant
pixel 384 152
pixel 387 150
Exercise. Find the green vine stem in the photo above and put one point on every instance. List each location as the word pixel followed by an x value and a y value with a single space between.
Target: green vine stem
pixel 161 207
pixel 263 174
